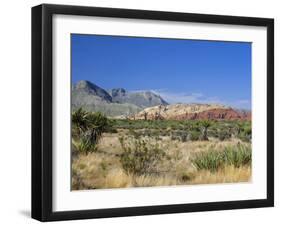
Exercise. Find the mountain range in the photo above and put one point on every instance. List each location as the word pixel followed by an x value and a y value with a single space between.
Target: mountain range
pixel 114 102
pixel 119 103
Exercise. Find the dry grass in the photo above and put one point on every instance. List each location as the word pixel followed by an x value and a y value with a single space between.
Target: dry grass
pixel 228 174
pixel 103 169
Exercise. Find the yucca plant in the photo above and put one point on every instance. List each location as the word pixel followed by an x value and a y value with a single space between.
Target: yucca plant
pixel 238 156
pixel 84 146
pixel 89 127
pixel 205 124
pixel 79 121
pixel 97 125
pixel 212 160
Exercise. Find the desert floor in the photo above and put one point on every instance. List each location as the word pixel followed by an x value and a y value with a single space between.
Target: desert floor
pixel 103 169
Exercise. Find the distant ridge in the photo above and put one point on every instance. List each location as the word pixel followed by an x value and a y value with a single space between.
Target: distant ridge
pixel 192 112
pixel 115 102
pixel 119 103
pixel 140 98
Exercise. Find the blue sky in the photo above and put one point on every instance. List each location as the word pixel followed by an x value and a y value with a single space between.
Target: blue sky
pixel 186 71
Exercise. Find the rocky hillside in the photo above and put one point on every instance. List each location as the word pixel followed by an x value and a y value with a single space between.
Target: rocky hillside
pixel 192 112
pixel 141 99
pixel 120 103
pixel 116 102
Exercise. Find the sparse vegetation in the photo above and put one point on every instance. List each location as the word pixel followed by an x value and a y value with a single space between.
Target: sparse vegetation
pixel 111 153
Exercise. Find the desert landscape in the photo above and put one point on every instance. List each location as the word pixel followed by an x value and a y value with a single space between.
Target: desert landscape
pixel 124 139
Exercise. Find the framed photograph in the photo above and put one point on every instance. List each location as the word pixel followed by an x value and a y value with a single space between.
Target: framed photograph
pixel 145 112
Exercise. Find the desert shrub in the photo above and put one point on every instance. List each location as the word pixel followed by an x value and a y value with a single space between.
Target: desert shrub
pixel 194 135
pixel 110 127
pixel 151 124
pixel 140 157
pixel 212 160
pixel 79 121
pixel 179 135
pixel 183 136
pixel 205 124
pixel 88 126
pixel 245 133
pixel 135 134
pixel 164 133
pixel 243 130
pixel 155 132
pixel 238 156
pixel 84 145
pixel 223 135
pixel 74 150
pixel 245 138
pixel 158 138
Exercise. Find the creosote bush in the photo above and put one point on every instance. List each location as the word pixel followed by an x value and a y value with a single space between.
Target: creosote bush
pixel 140 157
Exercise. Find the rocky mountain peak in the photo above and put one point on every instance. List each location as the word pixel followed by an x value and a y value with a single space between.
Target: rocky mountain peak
pixel 87 87
pixel 118 92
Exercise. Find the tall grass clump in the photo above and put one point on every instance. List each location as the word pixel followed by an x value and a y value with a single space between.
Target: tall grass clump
pixel 140 157
pixel 208 161
pixel 212 160
pixel 238 156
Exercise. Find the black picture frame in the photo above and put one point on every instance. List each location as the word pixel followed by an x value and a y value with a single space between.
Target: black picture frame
pixel 42 111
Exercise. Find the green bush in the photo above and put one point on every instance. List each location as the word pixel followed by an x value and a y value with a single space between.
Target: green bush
pixel 212 160
pixel 223 135
pixel 180 135
pixel 88 128
pixel 135 134
pixel 245 134
pixel 222 130
pixel 205 124
pixel 139 157
pixel 194 135
pixel 84 145
pixel 241 155
pixel 244 131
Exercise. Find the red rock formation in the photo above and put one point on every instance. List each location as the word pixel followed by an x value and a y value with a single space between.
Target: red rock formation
pixel 215 114
pixel 192 112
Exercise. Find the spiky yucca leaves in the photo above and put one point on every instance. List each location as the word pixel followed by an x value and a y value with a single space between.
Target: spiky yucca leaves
pixel 212 160
pixel 98 123
pixel 79 121
pixel 238 157
pixel 88 127
pixel 205 124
